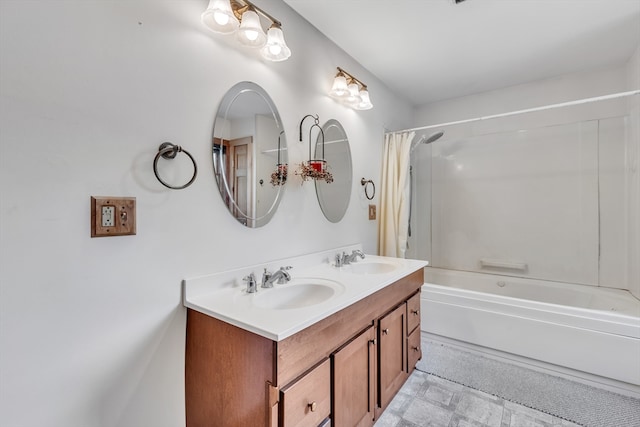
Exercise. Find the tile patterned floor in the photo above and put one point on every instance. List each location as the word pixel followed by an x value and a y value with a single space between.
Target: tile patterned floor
pixel 426 400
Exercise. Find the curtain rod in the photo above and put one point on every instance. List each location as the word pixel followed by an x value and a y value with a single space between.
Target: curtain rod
pixel 528 110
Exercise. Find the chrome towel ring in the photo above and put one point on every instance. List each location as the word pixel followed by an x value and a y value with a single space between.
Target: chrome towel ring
pixel 365 183
pixel 169 151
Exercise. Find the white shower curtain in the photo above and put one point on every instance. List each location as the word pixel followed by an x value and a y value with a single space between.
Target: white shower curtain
pixel 394 195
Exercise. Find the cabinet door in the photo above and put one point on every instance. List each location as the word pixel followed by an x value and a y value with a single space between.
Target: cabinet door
pixel 413 312
pixel 392 354
pixel 354 381
pixel 307 402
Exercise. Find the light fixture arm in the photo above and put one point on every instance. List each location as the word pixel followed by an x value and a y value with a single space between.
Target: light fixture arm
pixel 239 8
pixel 351 77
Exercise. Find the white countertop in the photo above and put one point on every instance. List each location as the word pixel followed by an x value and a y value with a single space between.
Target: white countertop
pixel 223 295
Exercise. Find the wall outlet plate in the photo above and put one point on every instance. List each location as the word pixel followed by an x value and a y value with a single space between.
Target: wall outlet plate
pixel 113 216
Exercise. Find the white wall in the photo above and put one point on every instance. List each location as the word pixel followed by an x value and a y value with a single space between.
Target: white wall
pixel 92 330
pixel 574 231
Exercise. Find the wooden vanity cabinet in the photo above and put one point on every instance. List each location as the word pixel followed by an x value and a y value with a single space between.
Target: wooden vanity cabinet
pixel 344 367
pixel 227 374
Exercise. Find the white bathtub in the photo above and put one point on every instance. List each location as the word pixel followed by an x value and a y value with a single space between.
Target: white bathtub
pixel 583 328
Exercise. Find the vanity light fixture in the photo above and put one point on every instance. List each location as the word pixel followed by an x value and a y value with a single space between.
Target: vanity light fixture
pixel 350 91
pixel 241 17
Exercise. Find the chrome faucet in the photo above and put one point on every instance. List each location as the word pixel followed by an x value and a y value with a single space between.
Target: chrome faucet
pixel 251 283
pixel 348 259
pixel 282 276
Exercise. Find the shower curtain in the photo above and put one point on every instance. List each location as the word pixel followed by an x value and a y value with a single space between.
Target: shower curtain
pixel 394 195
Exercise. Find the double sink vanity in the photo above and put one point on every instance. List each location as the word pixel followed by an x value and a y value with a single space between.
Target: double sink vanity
pixel 330 345
pixel 332 337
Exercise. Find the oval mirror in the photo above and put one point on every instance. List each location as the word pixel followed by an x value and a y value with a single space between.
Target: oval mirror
pixel 334 197
pixel 249 154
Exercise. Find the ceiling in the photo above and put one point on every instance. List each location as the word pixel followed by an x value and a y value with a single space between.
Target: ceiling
pixel 430 50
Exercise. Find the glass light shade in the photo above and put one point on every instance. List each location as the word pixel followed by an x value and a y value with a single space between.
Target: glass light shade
pixel 339 88
pixel 250 32
pixel 365 101
pixel 219 17
pixel 276 49
pixel 354 95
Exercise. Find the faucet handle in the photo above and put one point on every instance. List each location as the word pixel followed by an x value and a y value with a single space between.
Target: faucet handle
pixel 251 283
pixel 266 283
pixel 345 259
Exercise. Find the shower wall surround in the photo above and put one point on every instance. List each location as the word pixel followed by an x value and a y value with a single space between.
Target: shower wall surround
pixel 526 197
pixel 555 190
pixel 88 92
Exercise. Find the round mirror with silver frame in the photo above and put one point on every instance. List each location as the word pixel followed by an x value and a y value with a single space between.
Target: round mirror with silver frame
pixel 249 146
pixel 334 197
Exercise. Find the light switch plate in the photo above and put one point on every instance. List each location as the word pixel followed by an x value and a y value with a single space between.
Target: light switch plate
pixel 113 216
pixel 372 212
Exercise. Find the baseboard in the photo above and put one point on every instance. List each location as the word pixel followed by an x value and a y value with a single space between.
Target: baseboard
pixel 608 384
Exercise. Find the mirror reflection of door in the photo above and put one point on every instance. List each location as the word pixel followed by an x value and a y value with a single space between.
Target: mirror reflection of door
pixel 248 145
pixel 235 159
pixel 240 176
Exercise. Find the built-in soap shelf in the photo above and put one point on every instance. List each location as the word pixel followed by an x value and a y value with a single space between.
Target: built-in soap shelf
pixel 504 264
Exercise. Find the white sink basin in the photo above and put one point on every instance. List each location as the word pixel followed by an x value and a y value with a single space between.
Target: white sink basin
pixel 373 267
pixel 297 294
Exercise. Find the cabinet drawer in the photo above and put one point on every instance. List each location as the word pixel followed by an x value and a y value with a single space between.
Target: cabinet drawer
pixel 414 350
pixel 413 312
pixel 307 402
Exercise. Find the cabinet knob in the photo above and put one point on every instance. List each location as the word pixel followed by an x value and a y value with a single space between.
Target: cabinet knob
pixel 385 331
pixel 415 348
pixel 415 312
pixel 312 406
pixel 373 341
